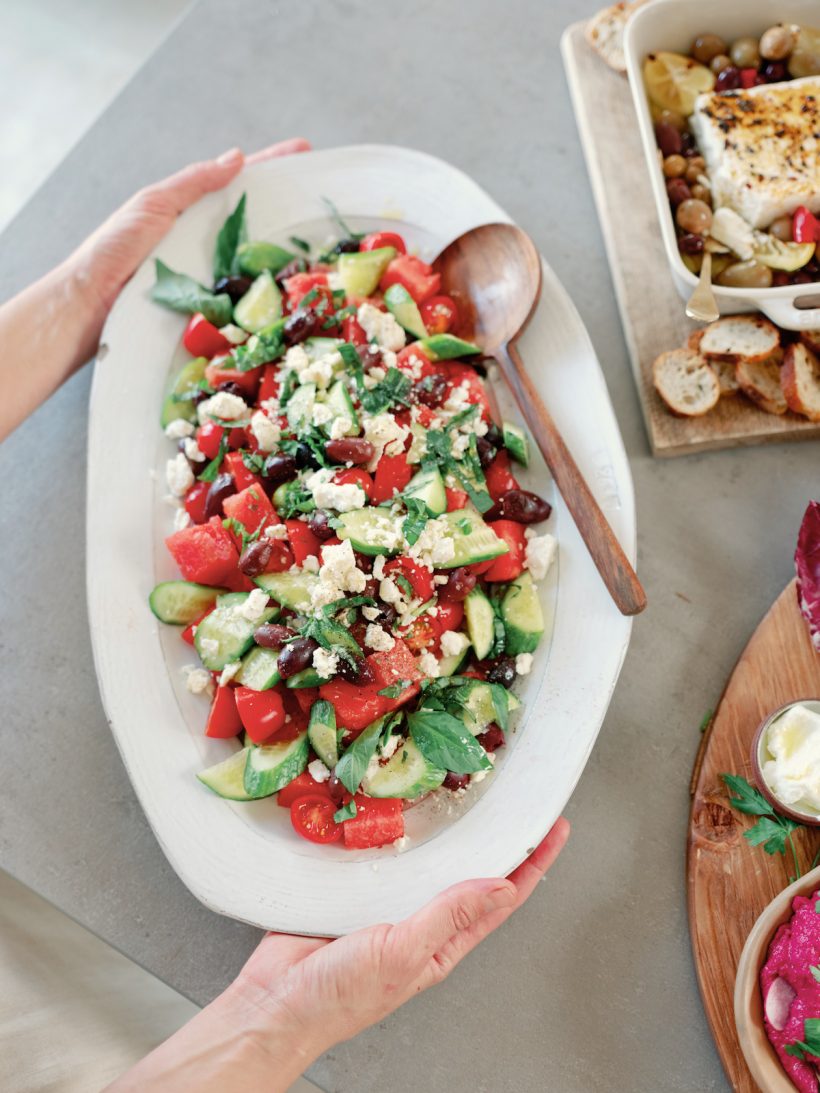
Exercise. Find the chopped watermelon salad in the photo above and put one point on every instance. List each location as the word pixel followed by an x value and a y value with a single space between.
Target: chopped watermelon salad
pixel 358 560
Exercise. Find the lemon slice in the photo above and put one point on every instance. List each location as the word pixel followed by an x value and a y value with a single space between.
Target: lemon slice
pixel 673 81
pixel 776 254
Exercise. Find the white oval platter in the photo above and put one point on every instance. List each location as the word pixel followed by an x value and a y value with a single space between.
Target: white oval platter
pixel 244 860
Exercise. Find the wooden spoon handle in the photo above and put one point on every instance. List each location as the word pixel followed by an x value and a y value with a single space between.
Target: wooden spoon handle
pixel 613 565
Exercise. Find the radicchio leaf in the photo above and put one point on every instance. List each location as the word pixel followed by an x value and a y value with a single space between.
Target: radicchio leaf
pixel 807 561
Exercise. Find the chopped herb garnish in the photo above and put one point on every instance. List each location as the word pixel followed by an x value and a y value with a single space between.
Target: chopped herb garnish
pixel 254 461
pixel 772 830
pixel 310 296
pixel 348 601
pixel 416 519
pixel 346 812
pixel 232 235
pixel 395 689
pixel 261 348
pixel 212 469
pixel 393 390
pixel 810 1044
pixel 340 224
pixel 352 766
pixel 300 244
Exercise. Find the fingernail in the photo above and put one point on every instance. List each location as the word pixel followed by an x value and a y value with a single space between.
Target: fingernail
pixel 498 898
pixel 229 157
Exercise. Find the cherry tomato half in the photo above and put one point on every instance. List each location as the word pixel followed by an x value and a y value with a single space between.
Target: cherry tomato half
pixel 422 633
pixel 312 818
pixel 439 314
pixel 419 578
pixel 383 239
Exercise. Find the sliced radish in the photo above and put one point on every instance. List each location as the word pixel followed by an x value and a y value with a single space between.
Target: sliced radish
pixel 778 1003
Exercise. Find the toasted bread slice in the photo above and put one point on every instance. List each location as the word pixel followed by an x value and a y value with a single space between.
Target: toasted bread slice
pixel 760 380
pixel 693 341
pixel 811 338
pixel 605 32
pixel 686 382
pixel 800 380
pixel 725 372
pixel 740 338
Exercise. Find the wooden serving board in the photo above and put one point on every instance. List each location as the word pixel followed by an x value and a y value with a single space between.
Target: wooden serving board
pixel 652 312
pixel 729 881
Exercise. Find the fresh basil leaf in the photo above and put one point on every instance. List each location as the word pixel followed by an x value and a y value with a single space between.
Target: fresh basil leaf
pixel 346 812
pixel 310 296
pixel 232 234
pixel 445 743
pixel 262 348
pixel 333 637
pixel 348 601
pixel 462 416
pixel 747 798
pixel 352 766
pixel 395 689
pixel 469 473
pixel 393 389
pixel 295 498
pixel 182 293
pixel 340 224
pixel 416 519
pixel 349 354
pixel 212 468
pixel 300 244
pixel 501 705
pixel 254 461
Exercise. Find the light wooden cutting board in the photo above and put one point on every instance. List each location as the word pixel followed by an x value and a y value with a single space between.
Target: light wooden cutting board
pixel 651 309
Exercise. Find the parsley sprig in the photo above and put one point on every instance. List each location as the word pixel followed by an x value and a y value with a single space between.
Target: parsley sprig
pixel 772 830
pixel 810 1044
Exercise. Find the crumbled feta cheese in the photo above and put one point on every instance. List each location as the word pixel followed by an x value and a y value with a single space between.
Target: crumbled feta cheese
pixel 209 646
pixel 296 358
pixel 318 771
pixel 402 843
pixel 377 373
pixel 453 642
pixel 371 613
pixel 181 520
pixel 197 680
pixel 325 663
pixel 179 475
pixel 233 334
pixel 523 664
pixel 378 566
pixel 276 531
pixel 460 444
pixel 266 432
pixel 389 591
pixel 330 495
pixel 334 279
pixel 386 435
pixel 380 327
pixel 440 579
pixel 254 606
pixel 270 406
pixel 428 665
pixel 321 370
pixel 458 399
pixel 322 414
pixel 223 405
pixel 229 671
pixel 539 555
pixel 192 451
pixel 434 546
pixel 311 563
pixel 179 428
pixel 378 639
pixel 340 428
pixel 479 776
pixel 480 427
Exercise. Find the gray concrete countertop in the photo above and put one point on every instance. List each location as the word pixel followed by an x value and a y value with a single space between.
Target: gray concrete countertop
pixel 591 986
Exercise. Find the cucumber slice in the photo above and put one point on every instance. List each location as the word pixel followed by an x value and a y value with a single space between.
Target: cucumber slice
pixel 227 598
pixel 450 666
pixel 406 774
pixel 291 590
pixel 232 632
pixel 227 779
pixel 309 677
pixel 255 258
pixel 371 530
pixel 271 767
pixel 322 732
pixel 428 486
pixel 515 441
pixel 406 310
pixel 522 615
pixel 474 541
pixel 261 304
pixel 478 710
pixel 360 273
pixel 300 407
pixel 181 602
pixel 178 401
pixel 445 347
pixel 259 669
pixel 282 498
pixel 338 400
pixel 480 622
pixel 319 347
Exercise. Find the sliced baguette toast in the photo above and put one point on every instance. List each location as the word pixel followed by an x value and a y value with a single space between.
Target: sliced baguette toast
pixel 726 373
pixel 605 32
pixel 760 381
pixel 800 379
pixel 739 338
pixel 811 338
pixel 686 382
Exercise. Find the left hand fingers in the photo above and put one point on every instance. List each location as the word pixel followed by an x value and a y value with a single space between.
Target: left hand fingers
pixel 283 148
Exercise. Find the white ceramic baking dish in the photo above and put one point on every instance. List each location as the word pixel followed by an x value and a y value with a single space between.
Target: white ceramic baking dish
pixel 671 25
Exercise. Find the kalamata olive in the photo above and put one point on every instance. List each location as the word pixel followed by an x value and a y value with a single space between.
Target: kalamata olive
pixel 781 229
pixel 370 355
pixel 702 193
pixel 431 391
pixel 456 781
pixel 775 72
pixel 255 557
pixel 720 63
pixel 501 670
pixel 677 191
pixel 460 583
pixel 694 216
pixel 295 265
pixel 749 274
pixel 689 243
pixel 231 388
pixel 319 524
pixel 486 451
pixel 745 52
pixel 236 287
pixel 222 486
pixel 279 468
pixel 706 47
pixel 346 246
pixel 524 506
pixel 494 436
pixel 296 656
pixel 674 166
pixel 728 79
pixel 364 562
pixel 492 738
pixel 386 616
pixel 668 138
pixel 353 449
pixel 200 396
pixel 358 671
pixel 336 788
pixel 304 457
pixel 272 635
pixel 299 325
pixel 776 43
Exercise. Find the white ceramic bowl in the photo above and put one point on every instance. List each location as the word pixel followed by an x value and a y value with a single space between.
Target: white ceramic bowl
pixel 671 25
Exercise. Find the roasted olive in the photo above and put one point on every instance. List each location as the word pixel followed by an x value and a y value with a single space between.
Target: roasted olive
pixel 272 635
pixel 236 287
pixel 279 468
pixel 694 216
pixel 675 166
pixel 222 486
pixel 319 524
pixel 678 191
pixel 668 138
pixel 749 274
pixel 776 43
pixel 255 557
pixel 460 583
pixel 728 79
pixel 301 324
pixel 296 656
pixel 689 243
pixel 524 506
pixel 430 391
pixel 745 52
pixel 501 670
pixel 720 63
pixel 304 456
pixel 706 47
pixel 486 451
pixel 781 229
pixel 352 449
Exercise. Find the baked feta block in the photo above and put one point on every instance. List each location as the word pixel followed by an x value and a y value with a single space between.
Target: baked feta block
pixel 761 148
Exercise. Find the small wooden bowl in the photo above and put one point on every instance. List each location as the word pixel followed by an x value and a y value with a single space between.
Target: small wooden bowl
pixel 810 819
pixel 757 1049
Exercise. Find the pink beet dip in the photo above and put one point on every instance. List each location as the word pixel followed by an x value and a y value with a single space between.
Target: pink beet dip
pixel 791 993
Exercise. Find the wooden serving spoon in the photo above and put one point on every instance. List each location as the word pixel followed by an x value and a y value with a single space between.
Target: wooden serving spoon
pixel 493 273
